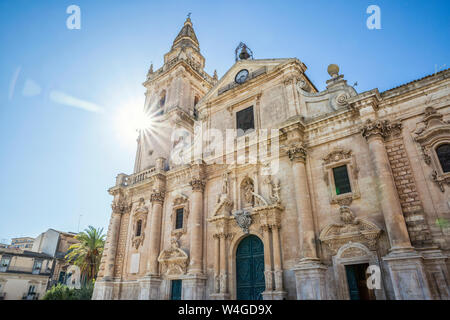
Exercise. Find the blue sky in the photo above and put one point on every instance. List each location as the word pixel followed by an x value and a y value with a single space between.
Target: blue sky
pixel 57 161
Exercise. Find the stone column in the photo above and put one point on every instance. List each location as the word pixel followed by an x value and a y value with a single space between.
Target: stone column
pixel 405 265
pixel 216 263
pixel 309 273
pixel 157 199
pixel 196 227
pixel 223 265
pixel 277 264
pixel 268 273
pixel 194 284
pixel 104 286
pixel 375 132
pixel 150 284
pixel 297 155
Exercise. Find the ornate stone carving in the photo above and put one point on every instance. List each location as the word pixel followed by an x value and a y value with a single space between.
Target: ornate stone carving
pixel 278 279
pixel 243 219
pixel 197 184
pixel 353 252
pixel 174 260
pixel 121 206
pixel 341 99
pixel 157 196
pixel 140 213
pixel 341 157
pixel 268 274
pixel 297 153
pixel 275 188
pixel 440 180
pixel 351 229
pixel 181 201
pixel 382 128
pixel 432 132
pixel 337 155
pixel 223 283
pixel 247 192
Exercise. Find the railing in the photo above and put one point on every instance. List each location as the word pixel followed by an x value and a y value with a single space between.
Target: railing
pixel 139 176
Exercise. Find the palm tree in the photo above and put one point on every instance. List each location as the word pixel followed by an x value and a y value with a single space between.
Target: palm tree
pixel 88 252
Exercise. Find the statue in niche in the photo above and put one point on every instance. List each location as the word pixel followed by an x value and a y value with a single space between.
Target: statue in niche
pixel 247 192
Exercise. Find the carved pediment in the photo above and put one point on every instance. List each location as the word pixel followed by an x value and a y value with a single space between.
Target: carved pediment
pixel 433 125
pixel 174 260
pixel 351 229
pixel 337 155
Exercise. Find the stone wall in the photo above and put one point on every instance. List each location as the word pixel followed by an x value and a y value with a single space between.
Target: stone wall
pixel 418 229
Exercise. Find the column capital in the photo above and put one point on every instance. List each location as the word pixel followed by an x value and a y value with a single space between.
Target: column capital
pixel 380 128
pixel 157 196
pixel 121 206
pixel 297 152
pixel 197 184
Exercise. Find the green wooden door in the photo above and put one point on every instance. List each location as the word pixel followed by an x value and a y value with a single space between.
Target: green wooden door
pixel 250 280
pixel 352 282
pixel 175 293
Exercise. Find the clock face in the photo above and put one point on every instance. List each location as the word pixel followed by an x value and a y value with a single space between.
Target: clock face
pixel 241 76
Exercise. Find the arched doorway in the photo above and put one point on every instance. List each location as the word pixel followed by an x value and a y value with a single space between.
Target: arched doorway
pixel 250 281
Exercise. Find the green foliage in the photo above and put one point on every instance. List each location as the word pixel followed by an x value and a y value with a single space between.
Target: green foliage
pixel 88 252
pixel 63 292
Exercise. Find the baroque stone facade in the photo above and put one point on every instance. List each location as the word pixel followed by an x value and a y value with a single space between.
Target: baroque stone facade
pixel 348 181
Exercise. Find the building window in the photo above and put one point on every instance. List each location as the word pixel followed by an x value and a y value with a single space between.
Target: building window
pixel 37 267
pixel 138 228
pixel 196 100
pixel 443 153
pixel 62 277
pixel 4 264
pixel 341 180
pixel 179 218
pixel 245 121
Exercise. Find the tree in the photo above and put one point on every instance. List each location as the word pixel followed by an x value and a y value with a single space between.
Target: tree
pixel 88 252
pixel 63 292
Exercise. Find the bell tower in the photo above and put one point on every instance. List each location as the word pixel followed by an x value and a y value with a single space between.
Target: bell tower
pixel 172 92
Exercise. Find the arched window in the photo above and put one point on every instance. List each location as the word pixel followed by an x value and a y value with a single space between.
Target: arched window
pixel 443 153
pixel 138 228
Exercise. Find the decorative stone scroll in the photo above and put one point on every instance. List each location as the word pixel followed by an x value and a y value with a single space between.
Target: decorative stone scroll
pixel 351 229
pixel 174 261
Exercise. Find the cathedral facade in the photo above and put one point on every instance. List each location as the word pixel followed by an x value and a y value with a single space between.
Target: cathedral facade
pixel 259 186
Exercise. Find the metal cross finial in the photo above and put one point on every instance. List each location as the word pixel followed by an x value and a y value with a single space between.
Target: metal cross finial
pixel 189 15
